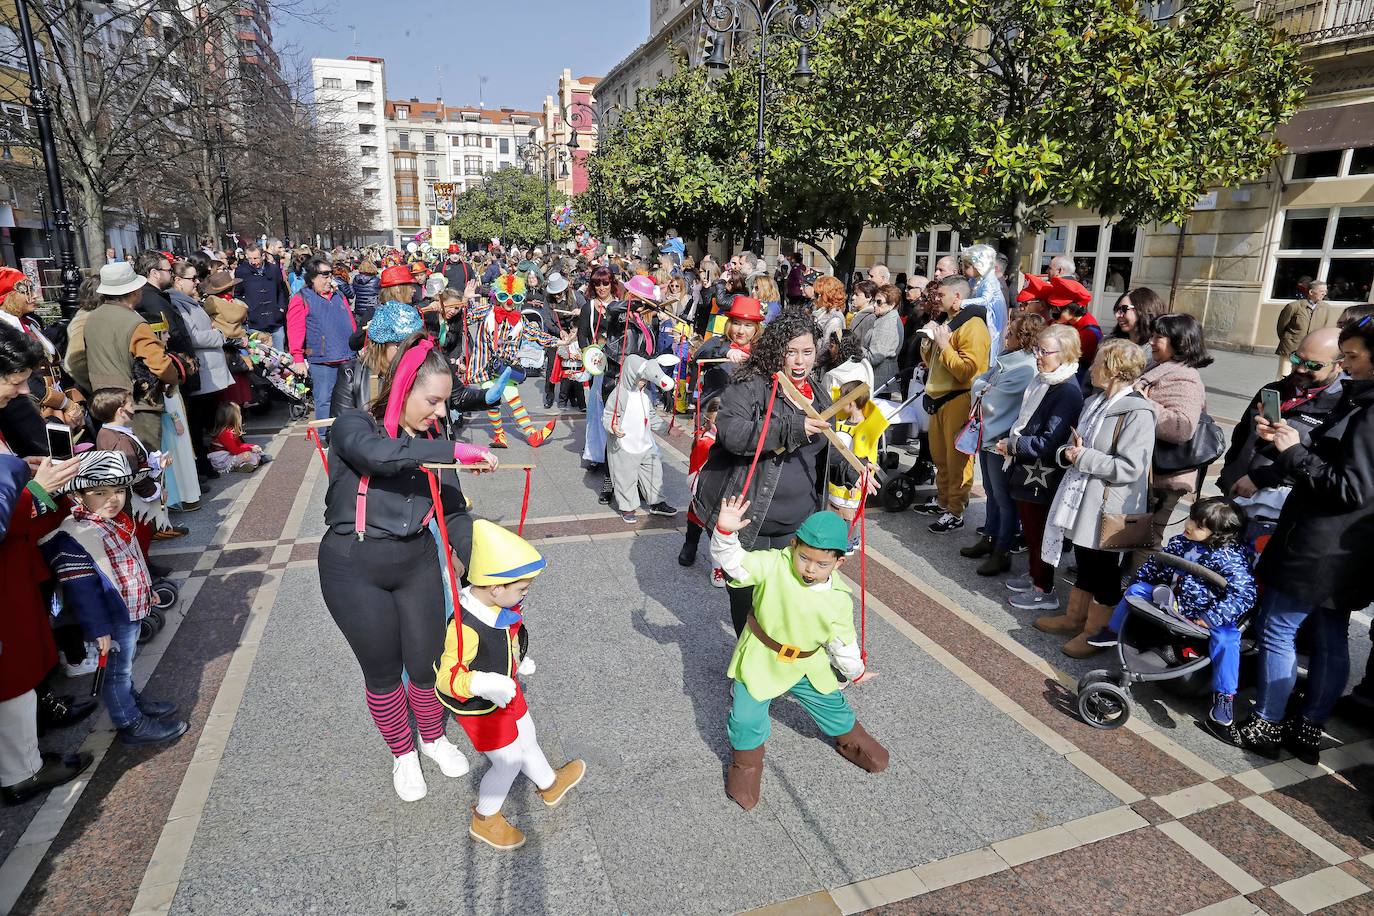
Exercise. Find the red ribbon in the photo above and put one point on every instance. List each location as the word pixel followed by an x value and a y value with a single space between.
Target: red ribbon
pixel 524 504
pixel 434 494
pixel 313 435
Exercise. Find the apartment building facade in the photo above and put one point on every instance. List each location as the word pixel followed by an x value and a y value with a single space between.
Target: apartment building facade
pixel 350 95
pixel 573 117
pixel 430 143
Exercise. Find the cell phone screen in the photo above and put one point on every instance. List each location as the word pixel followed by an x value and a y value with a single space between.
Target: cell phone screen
pixel 1269 404
pixel 59 441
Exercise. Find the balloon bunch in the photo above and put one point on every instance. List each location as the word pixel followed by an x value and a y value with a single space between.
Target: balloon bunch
pixel 563 216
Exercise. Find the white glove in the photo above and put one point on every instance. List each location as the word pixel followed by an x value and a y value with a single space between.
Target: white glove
pixel 527 666
pixel 495 687
pixel 845 657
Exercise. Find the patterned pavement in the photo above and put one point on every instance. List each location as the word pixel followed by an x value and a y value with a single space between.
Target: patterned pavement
pixel 997 800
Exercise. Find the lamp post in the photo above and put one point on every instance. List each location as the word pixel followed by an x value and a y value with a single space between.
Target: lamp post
pixel 801 19
pixel 546 157
pixel 224 190
pixel 42 112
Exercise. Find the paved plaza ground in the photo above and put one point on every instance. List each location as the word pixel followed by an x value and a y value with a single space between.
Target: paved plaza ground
pixel 998 799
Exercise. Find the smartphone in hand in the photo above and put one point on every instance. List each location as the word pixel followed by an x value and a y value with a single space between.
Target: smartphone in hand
pixel 59 441
pixel 1269 405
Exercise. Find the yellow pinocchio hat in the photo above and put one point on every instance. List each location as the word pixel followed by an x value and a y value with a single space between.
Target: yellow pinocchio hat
pixel 500 557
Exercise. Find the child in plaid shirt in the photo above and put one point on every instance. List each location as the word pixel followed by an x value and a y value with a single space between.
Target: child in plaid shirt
pixel 101 575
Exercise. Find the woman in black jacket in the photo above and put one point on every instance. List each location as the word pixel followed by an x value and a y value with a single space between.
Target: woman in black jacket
pixel 1315 568
pixel 789 480
pixel 381 555
pixel 1050 407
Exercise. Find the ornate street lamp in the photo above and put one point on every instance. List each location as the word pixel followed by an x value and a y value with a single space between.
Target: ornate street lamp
pixel 801 19
pixel 546 158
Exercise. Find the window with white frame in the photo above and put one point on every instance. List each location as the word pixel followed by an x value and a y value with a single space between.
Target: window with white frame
pixel 431 168
pixel 1105 256
pixel 331 82
pixel 931 246
pixel 472 165
pixel 1331 163
pixel 402 113
pixel 1335 245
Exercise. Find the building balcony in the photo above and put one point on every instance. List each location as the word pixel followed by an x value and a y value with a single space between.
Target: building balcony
pixel 1318 22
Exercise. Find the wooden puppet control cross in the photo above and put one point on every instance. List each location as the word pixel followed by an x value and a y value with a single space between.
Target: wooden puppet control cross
pixel 803 403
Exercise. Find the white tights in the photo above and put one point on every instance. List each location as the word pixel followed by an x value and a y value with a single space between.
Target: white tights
pixel 521 755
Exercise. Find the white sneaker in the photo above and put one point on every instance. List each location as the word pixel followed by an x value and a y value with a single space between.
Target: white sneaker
pixel 407 778
pixel 443 752
pixel 88 665
pixel 718 577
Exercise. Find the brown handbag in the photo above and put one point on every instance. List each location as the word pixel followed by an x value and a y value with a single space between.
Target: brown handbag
pixel 1121 530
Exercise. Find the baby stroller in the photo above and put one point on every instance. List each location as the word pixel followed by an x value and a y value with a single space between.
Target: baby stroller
pixel 1153 645
pixel 908 421
pixel 272 367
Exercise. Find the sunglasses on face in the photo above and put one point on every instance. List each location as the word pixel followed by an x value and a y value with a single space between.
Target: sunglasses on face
pixel 505 298
pixel 1123 309
pixel 1311 365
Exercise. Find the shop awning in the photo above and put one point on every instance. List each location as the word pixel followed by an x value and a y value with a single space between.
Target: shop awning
pixel 1316 129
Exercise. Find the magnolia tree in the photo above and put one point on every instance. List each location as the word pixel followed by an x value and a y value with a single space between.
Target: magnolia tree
pixel 508 204
pixel 983 115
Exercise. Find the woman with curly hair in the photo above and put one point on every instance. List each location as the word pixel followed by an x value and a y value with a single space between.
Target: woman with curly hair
pixel 755 419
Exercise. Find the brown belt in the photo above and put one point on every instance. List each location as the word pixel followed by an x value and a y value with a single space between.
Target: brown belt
pixel 785 652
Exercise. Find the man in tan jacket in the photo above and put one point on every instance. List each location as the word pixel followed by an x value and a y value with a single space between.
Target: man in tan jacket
pixel 115 337
pixel 1295 323
pixel 956 353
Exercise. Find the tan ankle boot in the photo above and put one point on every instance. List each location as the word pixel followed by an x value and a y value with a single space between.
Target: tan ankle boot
pixel 564 778
pixel 744 778
pixel 1098 615
pixel 862 749
pixel 495 831
pixel 1071 621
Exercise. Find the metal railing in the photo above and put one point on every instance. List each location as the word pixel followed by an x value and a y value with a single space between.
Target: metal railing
pixel 1317 21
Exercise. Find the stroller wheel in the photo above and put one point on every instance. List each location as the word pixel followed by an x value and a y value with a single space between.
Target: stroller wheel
pixel 1099 676
pixel 164 594
pixel 898 494
pixel 1104 705
pixel 298 412
pixel 158 618
pixel 146 630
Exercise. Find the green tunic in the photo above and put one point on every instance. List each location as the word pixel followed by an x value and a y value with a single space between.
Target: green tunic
pixel 794 614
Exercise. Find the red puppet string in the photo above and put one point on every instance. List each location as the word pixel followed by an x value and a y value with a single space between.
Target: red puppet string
pixel 763 434
pixel 524 503
pixel 442 521
pixel 313 435
pixel 860 521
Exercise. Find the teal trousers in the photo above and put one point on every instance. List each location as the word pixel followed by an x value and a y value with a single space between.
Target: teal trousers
pixel 749 725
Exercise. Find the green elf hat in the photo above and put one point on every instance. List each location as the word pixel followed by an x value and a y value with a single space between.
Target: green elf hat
pixel 825 531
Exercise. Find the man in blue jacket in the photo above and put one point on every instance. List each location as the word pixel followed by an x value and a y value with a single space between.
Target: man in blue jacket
pixel 264 289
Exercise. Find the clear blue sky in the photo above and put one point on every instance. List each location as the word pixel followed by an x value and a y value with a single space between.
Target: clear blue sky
pixel 521 46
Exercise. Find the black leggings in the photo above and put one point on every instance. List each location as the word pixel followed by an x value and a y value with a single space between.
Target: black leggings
pixel 742 599
pixel 387 598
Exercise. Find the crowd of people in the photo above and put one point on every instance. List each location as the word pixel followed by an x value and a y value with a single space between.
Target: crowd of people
pixel 1087 441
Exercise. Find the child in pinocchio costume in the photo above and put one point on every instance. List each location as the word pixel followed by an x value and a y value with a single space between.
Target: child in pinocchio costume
pixel 477 679
pixel 800 630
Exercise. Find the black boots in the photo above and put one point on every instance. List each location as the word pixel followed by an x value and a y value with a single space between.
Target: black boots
pixel 1255 734
pixel 983 548
pixel 57 769
pixel 998 562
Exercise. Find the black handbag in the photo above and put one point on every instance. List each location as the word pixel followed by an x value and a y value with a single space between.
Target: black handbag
pixel 1207 444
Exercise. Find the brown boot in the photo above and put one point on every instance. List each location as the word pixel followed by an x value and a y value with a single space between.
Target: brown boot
pixel 1098 615
pixel 862 749
pixel 1071 621
pixel 564 778
pixel 744 778
pixel 495 831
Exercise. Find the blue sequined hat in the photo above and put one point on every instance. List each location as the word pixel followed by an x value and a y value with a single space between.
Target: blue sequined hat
pixel 393 322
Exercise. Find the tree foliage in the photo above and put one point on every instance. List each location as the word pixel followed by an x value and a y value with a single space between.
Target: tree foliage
pixel 982 114
pixel 508 205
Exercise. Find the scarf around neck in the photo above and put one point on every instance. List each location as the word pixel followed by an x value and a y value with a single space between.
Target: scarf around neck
pixel 1035 394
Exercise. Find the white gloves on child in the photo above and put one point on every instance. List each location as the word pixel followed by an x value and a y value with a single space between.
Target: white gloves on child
pixel 526 667
pixel 846 658
pixel 495 687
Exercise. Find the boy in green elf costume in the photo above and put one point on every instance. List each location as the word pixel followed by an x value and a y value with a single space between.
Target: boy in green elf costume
pixel 800 609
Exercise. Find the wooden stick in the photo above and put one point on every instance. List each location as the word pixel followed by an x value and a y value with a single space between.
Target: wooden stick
pixel 802 403
pixel 480 466
pixel 704 362
pixel 845 401
pixel 321 424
